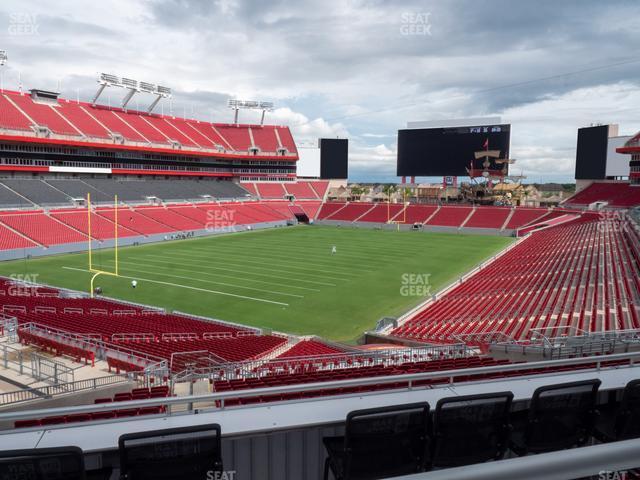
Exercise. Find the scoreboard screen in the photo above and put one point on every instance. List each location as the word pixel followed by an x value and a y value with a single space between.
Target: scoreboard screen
pixel 334 158
pixel 449 151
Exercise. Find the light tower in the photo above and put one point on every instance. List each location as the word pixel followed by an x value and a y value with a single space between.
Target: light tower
pixel 3 61
pixel 133 86
pixel 236 105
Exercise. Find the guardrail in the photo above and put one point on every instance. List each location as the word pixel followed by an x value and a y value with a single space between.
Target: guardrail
pixel 34 365
pixel 598 343
pixel 606 461
pixel 154 145
pixel 220 397
pixel 343 360
pixel 51 391
pixel 101 349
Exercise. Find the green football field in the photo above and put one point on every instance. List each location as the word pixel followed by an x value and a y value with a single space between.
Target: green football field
pixel 285 279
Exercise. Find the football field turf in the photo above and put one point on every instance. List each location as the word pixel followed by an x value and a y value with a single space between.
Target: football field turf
pixel 285 279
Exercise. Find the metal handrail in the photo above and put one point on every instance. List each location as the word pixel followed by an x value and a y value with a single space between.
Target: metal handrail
pixel 346 359
pixel 256 392
pixel 50 391
pixel 606 461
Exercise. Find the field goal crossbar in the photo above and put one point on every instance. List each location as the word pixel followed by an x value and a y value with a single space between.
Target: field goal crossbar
pixel 403 219
pixel 397 223
pixel 97 272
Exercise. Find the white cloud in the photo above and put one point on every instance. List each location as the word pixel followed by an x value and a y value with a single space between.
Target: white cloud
pixel 544 134
pixel 305 130
pixel 337 68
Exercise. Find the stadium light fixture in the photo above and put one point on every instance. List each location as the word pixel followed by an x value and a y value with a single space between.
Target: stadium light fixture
pixel 160 92
pixel 147 87
pixel 133 86
pixel 3 61
pixel 236 105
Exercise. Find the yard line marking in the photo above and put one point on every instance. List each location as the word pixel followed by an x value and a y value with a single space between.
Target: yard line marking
pixel 199 257
pixel 209 267
pixel 244 279
pixel 206 281
pixel 279 262
pixel 367 246
pixel 355 260
pixel 347 246
pixel 273 255
pixel 277 250
pixel 282 267
pixel 215 292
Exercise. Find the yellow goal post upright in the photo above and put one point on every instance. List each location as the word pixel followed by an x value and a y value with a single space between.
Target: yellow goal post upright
pixel 403 219
pixel 95 271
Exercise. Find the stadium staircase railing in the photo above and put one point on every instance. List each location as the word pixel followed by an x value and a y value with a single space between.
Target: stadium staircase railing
pixel 387 357
pixel 578 345
pixel 399 383
pixel 53 391
pixel 92 347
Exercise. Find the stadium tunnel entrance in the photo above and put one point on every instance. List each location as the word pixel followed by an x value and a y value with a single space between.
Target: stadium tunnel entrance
pixel 302 217
pixel 299 213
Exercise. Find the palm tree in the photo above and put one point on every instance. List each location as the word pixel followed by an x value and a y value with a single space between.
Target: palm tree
pixel 389 190
pixel 357 191
pixel 407 193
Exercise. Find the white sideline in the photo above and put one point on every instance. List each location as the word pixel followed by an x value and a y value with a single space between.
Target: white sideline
pixel 216 292
pixel 136 270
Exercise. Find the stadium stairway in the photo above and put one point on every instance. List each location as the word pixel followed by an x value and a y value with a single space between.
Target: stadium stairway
pixel 320 188
pixel 11 239
pixel 308 348
pixel 170 217
pixel 131 219
pixel 329 209
pixel 523 216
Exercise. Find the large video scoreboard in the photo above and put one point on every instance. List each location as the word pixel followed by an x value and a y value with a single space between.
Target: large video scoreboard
pixel 449 151
pixel 334 158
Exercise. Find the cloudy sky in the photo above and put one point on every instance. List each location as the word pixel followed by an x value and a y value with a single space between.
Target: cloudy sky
pixel 359 69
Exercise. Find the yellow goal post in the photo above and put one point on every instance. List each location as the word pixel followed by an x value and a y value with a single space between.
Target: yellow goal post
pixel 98 271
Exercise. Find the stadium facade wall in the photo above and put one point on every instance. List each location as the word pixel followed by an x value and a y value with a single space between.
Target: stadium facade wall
pixel 19 253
